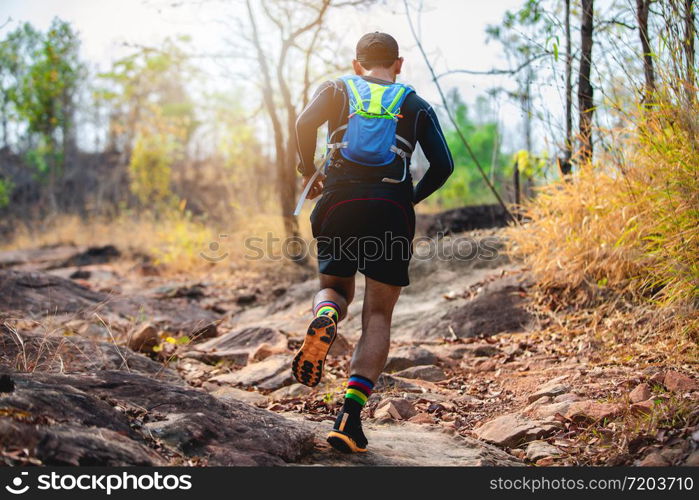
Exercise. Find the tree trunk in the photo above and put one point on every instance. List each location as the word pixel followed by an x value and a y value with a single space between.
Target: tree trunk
pixel 528 185
pixel 286 173
pixel 642 17
pixel 515 182
pixel 565 164
pixel 285 181
pixel 585 97
pixel 3 112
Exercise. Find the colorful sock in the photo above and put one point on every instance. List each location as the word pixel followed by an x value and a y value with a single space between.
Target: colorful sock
pixel 327 308
pixel 358 391
pixel 348 421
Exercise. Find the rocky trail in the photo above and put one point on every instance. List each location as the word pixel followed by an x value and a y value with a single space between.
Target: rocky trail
pixel 107 361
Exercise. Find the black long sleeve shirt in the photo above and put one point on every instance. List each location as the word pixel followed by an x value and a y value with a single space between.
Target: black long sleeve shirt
pixel 418 125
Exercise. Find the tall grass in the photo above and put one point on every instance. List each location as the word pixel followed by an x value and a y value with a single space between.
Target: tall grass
pixel 629 224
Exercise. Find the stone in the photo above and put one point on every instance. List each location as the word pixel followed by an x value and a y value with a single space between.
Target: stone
pixel 499 307
pixel 410 444
pixel 204 332
pixel 270 374
pixel 657 378
pixel 73 445
pixel 488 365
pixel 143 338
pixel 592 411
pixel 692 459
pixel 387 412
pixel 513 430
pixel 246 299
pixel 467 399
pixel 566 398
pixel 250 397
pixel 41 294
pixel 73 354
pixel 406 356
pixel 457 351
pixel 653 459
pixel 679 382
pixel 550 389
pixel 514 350
pixel 97 418
pixel 672 455
pixel 643 407
pixel 388 382
pixel 542 408
pixel 292 391
pixel 642 392
pixel 431 373
pixel 95 331
pixel 241 346
pixel 266 350
pixel 536 450
pixel 422 418
pixel 485 350
pixel 403 408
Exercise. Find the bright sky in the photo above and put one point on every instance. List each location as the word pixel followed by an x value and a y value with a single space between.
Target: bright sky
pixel 453 32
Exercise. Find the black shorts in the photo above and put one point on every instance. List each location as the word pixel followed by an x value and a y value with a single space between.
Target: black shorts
pixel 367 229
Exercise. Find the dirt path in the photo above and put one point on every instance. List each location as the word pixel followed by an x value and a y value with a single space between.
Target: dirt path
pixel 472 377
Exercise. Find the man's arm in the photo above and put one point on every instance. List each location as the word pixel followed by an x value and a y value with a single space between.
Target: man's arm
pixel 433 144
pixel 311 118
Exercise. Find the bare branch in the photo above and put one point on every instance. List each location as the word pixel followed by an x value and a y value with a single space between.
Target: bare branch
pixel 451 116
pixel 496 71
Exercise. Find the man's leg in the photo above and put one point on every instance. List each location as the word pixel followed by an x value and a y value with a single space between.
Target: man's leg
pixel 372 349
pixel 337 291
pixel 329 307
pixel 367 364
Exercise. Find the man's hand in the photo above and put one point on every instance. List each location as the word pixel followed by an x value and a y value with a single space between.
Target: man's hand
pixel 317 187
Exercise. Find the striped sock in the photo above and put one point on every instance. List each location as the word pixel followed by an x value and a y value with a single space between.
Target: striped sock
pixel 358 390
pixel 327 308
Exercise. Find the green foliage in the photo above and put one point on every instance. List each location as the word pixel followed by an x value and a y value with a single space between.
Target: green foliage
pixel 529 165
pixel 16 53
pixel 147 91
pixel 43 157
pixel 466 186
pixel 39 77
pixel 6 188
pixel 150 169
pixel 153 116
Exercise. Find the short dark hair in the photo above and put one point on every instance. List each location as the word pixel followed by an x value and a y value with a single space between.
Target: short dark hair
pixel 377 49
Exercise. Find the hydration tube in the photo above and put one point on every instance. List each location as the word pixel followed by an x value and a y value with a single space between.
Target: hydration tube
pixel 299 205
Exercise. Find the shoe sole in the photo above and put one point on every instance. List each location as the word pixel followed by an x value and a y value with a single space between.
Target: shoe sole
pixel 308 363
pixel 343 443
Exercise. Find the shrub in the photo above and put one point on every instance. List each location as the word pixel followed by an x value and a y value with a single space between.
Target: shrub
pixel 628 224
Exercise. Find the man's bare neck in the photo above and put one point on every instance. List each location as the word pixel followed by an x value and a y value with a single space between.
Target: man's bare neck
pixel 381 74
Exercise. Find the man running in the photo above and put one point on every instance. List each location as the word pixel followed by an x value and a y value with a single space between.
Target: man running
pixel 364 220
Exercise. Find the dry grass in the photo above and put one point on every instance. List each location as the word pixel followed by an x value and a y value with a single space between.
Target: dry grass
pixel 632 434
pixel 175 242
pixel 629 224
pixel 615 251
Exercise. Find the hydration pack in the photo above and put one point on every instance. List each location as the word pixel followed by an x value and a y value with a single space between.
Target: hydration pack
pixel 369 138
pixel 370 133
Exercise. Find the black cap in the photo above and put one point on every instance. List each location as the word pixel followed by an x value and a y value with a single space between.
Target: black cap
pixel 377 48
